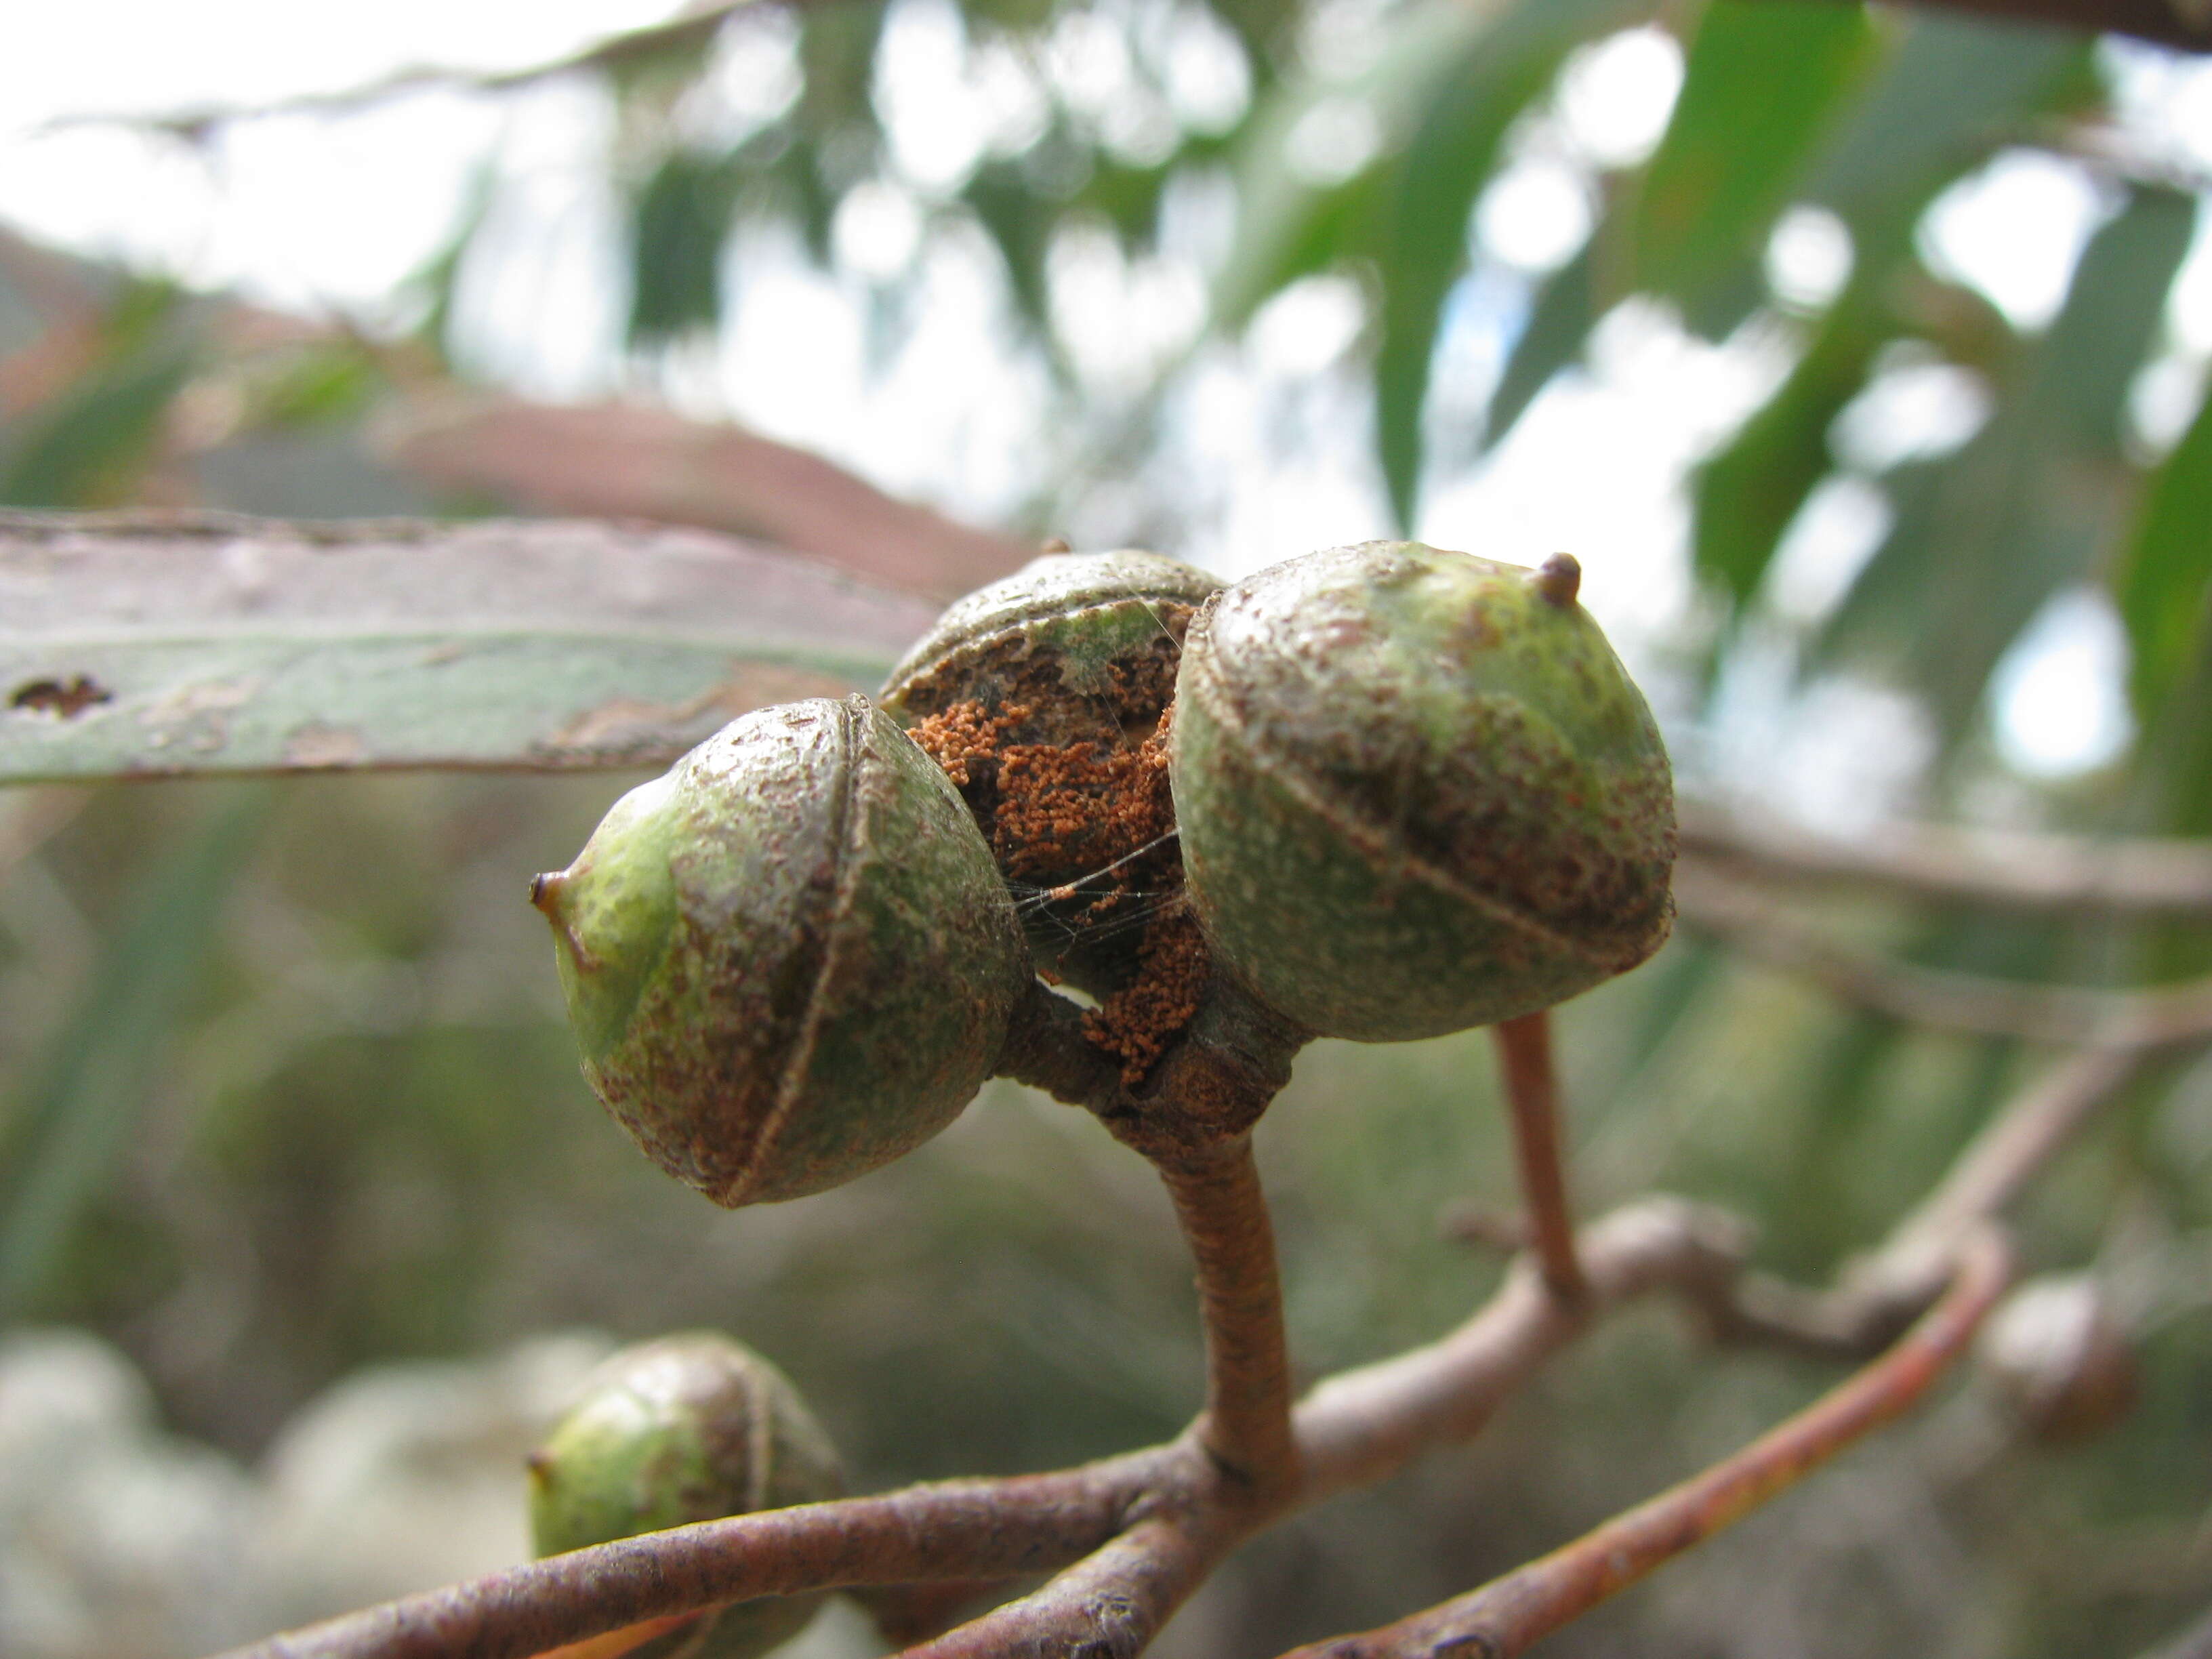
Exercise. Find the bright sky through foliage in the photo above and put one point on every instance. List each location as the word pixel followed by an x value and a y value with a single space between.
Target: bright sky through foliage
pixel 1271 455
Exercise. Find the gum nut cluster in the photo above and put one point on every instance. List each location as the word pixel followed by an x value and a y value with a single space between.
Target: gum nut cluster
pixel 692 1427
pixel 1043 696
pixel 1417 792
pixel 790 959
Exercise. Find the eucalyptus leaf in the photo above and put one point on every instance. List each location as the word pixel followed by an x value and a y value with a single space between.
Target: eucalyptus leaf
pixel 1291 218
pixel 1950 92
pixel 1559 322
pixel 2034 499
pixel 2164 578
pixel 1745 495
pixel 166 644
pixel 1762 84
pixel 678 224
pixel 1447 158
pixel 1955 90
pixel 73 1123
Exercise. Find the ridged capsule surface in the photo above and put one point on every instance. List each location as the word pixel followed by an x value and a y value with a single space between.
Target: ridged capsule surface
pixel 1417 791
pixel 790 959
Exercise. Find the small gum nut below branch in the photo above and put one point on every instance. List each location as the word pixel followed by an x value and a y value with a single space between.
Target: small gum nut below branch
pixel 691 1427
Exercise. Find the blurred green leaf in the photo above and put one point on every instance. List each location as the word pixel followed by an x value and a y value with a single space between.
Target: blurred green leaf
pixel 1897 123
pixel 1955 89
pixel 678 225
pixel 1763 83
pixel 1560 320
pixel 2032 501
pixel 85 446
pixel 73 1123
pixel 1021 226
pixel 1745 495
pixel 1447 157
pixel 171 646
pixel 837 56
pixel 2164 578
pixel 1290 222
pixel 1951 92
pixel 317 387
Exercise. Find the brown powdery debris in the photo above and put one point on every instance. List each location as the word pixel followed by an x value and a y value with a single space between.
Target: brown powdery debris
pixel 963 733
pixel 1138 1021
pixel 1088 830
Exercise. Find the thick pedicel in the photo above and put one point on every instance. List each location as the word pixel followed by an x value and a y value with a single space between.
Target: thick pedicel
pixel 1417 791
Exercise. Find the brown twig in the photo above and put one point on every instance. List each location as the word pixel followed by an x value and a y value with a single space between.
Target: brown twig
pixel 1764 931
pixel 1509 1614
pixel 1107 1606
pixel 1885 1289
pixel 1246 1426
pixel 1996 1166
pixel 1135 1534
pixel 1363 1426
pixel 1353 1430
pixel 612 1644
pixel 954 1529
pixel 905 1614
pixel 1532 1090
pixel 2006 869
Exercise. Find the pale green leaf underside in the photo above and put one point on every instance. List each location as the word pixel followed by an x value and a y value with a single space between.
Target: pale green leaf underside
pixel 158 645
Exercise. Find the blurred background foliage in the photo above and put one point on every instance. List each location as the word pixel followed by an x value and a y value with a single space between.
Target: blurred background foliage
pixel 287 1093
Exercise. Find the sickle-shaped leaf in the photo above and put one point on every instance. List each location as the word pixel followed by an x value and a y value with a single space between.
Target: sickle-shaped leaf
pixel 1289 224
pixel 164 645
pixel 2029 504
pixel 1762 84
pixel 75 1118
pixel 1446 162
pixel 1952 91
pixel 2164 579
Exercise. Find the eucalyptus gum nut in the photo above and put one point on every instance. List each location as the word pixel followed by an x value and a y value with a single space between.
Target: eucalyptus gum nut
pixel 1068 622
pixel 1064 670
pixel 791 959
pixel 2059 1356
pixel 1417 792
pixel 692 1427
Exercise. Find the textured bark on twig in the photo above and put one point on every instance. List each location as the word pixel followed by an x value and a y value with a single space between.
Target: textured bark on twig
pixel 1506 1616
pixel 954 1529
pixel 1532 1093
pixel 1246 1426
pixel 1353 1430
pixel 1170 1513
pixel 1107 1606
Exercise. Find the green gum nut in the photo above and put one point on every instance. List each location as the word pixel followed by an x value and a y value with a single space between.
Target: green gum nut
pixel 692 1427
pixel 790 959
pixel 1417 792
pixel 1080 637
